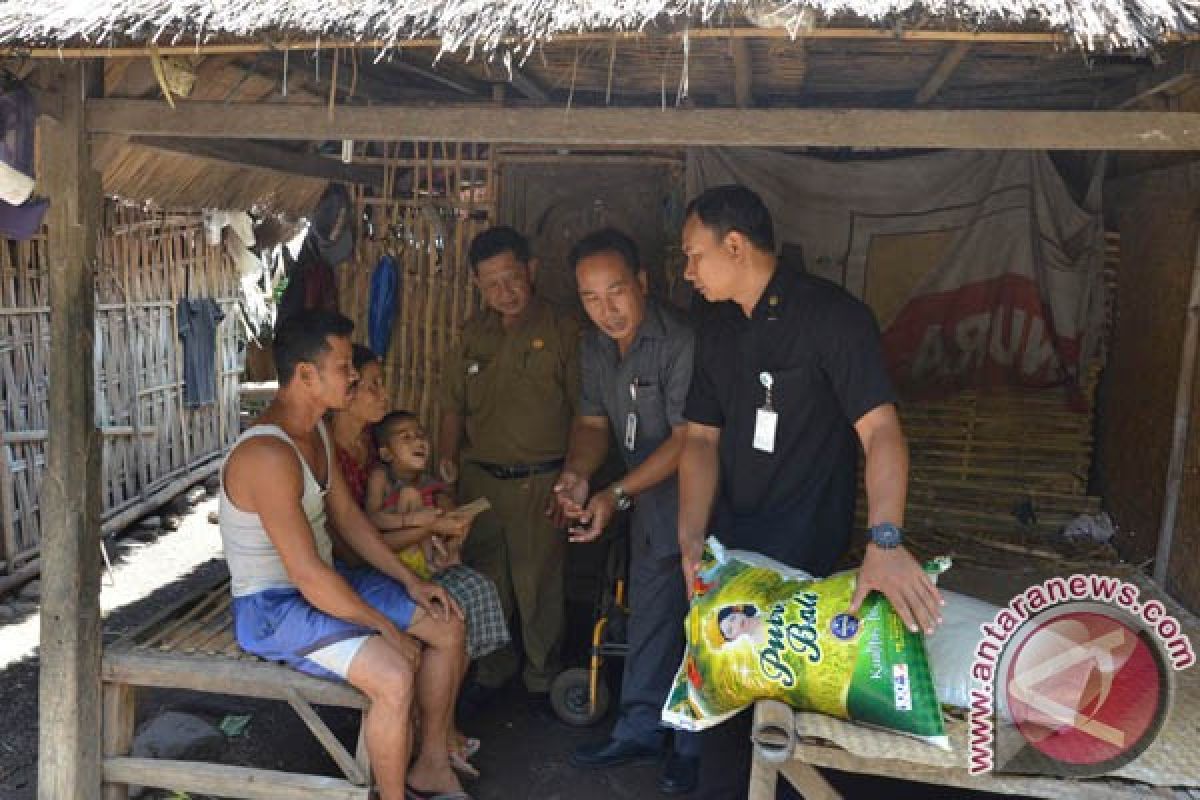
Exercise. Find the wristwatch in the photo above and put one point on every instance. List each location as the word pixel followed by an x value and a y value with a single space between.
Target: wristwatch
pixel 624 501
pixel 885 536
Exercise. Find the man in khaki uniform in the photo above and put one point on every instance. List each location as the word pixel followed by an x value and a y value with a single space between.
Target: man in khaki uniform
pixel 509 394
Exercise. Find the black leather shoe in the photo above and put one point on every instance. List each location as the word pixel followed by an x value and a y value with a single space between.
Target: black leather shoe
pixel 612 753
pixel 680 775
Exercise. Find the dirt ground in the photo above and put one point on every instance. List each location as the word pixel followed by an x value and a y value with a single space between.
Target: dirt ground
pixel 522 757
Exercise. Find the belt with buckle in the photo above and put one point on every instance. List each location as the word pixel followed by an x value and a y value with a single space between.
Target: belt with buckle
pixel 509 472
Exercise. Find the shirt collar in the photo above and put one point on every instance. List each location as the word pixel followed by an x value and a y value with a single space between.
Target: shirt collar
pixel 534 313
pixel 652 327
pixel 776 296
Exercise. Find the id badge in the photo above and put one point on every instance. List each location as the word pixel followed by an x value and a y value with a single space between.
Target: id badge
pixel 631 422
pixel 765 421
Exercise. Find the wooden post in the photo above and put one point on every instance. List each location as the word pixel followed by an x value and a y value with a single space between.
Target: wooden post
pixel 120 704
pixel 743 73
pixel 69 691
pixel 1179 432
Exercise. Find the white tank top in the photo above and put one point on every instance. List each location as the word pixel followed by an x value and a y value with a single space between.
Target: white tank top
pixel 254 563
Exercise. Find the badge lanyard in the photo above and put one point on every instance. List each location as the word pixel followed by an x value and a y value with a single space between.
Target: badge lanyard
pixel 766 418
pixel 631 419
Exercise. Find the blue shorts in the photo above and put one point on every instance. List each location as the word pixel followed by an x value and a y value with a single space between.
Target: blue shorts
pixel 280 625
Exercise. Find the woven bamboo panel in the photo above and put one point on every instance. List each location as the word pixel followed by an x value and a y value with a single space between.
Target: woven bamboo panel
pixel 1012 463
pixel 24 347
pixel 443 194
pixel 146 263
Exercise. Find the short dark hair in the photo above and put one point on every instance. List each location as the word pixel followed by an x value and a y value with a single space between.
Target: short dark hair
pixel 734 208
pixel 383 428
pixel 494 242
pixel 303 336
pixel 363 355
pixel 606 240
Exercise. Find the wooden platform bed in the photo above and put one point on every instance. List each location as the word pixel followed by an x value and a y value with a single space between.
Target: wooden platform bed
pixel 793 744
pixel 191 646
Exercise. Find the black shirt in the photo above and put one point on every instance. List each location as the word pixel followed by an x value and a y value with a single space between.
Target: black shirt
pixel 822 349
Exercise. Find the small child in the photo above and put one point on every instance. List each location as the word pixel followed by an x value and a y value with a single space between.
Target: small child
pixel 417 517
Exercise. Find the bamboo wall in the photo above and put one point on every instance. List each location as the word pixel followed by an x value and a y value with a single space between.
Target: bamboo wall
pixel 147 263
pixel 445 193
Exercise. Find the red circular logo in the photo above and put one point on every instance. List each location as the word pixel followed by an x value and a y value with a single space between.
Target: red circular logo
pixel 1086 689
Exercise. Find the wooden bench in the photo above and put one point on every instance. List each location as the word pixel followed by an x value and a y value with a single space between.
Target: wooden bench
pixel 191 646
pixel 793 745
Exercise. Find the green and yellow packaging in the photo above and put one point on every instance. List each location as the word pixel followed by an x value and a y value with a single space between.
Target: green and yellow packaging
pixel 758 629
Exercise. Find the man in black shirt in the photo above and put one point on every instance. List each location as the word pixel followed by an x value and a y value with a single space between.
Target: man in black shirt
pixel 789 380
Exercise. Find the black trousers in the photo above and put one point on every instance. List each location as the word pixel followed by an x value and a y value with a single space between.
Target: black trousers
pixel 658 604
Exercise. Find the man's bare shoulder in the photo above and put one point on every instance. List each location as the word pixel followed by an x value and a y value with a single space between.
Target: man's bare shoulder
pixel 262 461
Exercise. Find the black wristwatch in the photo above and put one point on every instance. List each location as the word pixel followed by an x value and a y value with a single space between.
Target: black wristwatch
pixel 624 501
pixel 885 536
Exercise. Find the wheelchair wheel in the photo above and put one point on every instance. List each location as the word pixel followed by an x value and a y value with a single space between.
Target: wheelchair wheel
pixel 569 698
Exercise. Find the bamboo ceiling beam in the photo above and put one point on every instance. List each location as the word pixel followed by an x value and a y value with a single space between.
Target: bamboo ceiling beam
pixel 248 153
pixel 461 85
pixel 869 34
pixel 651 127
pixel 942 72
pixel 1178 72
pixel 527 86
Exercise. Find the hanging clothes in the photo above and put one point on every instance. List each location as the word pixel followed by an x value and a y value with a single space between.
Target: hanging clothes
pixel 382 311
pixel 311 282
pixel 197 321
pixel 18 120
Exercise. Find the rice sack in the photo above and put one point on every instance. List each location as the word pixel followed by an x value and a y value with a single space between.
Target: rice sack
pixel 759 629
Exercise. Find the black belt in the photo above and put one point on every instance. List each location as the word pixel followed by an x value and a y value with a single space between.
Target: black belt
pixel 509 472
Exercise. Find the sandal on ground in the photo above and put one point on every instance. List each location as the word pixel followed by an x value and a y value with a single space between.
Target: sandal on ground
pixel 465 746
pixel 433 794
pixel 469 746
pixel 460 764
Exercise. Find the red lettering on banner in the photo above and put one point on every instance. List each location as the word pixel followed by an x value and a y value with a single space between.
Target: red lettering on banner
pixel 988 333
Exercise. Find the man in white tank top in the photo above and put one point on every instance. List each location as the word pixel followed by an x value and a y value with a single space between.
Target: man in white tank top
pixel 397 638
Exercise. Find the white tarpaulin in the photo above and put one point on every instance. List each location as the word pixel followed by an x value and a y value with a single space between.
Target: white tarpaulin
pixel 1013 293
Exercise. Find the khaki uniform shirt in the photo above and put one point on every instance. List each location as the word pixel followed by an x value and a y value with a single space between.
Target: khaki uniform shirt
pixel 517 389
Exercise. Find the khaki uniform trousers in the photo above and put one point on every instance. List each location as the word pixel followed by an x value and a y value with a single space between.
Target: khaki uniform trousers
pixel 515 545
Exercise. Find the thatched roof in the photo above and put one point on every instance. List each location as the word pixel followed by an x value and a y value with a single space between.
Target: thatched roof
pixel 514 25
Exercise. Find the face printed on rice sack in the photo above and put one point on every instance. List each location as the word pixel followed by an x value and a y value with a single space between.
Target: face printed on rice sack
pixel 742 621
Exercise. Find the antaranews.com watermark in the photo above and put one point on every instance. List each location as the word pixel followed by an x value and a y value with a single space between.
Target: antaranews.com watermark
pixel 1073 678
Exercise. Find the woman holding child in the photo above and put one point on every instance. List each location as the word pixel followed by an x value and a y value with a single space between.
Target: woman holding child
pixel 383 457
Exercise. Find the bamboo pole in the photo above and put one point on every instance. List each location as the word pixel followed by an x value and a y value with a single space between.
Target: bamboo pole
pixel 430 287
pixel 1179 435
pixel 8 507
pixel 135 378
pixel 877 34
